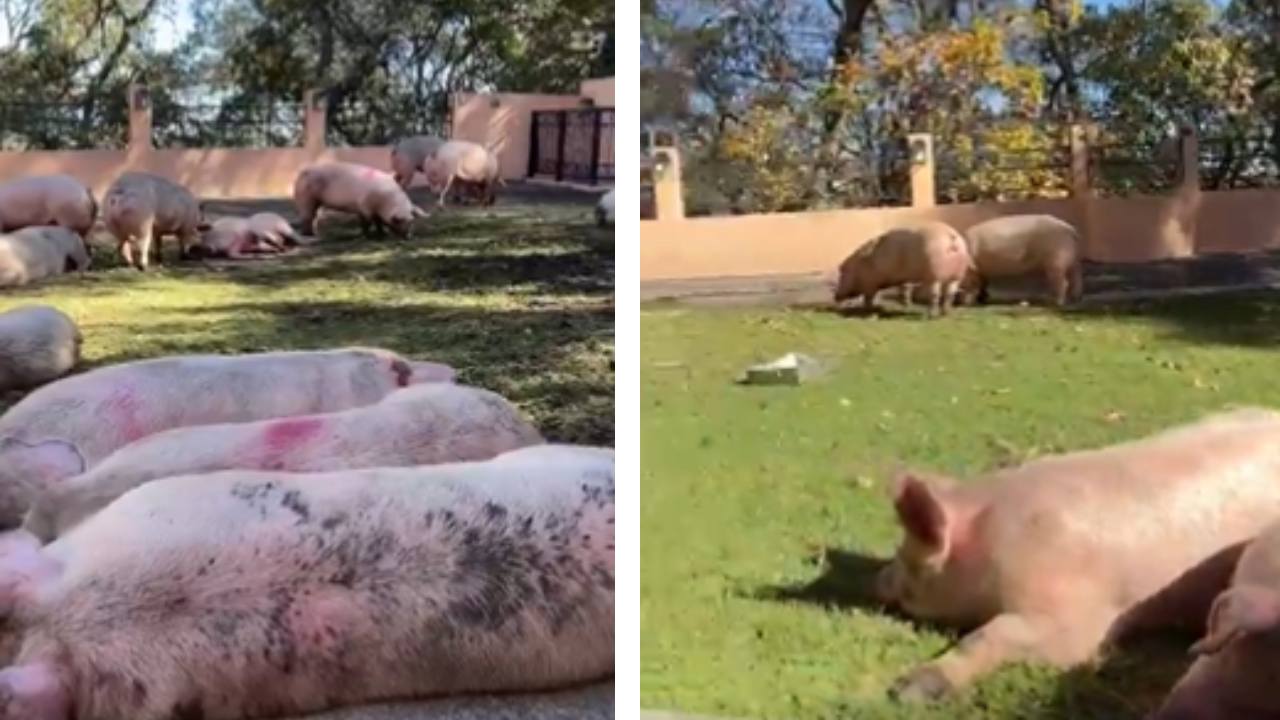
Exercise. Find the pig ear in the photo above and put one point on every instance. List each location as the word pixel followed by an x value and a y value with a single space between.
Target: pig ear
pixel 47 460
pixel 920 510
pixel 1239 611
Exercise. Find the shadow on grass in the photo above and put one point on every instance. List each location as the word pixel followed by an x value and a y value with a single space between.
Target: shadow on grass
pixel 1246 318
pixel 847 581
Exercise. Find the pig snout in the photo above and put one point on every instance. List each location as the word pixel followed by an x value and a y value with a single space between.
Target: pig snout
pixel 429 372
pixel 888 585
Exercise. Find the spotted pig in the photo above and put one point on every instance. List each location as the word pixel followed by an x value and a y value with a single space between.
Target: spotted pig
pixel 274 594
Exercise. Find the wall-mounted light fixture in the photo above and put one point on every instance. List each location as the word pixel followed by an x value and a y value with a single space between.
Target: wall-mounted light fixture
pixel 661 163
pixel 141 98
pixel 318 100
pixel 919 151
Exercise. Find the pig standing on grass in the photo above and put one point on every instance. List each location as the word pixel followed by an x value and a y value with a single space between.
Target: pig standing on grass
pixel 139 208
pixel 1021 244
pixel 931 254
pixel 1053 560
pixel 1238 671
pixel 409 157
pixel 73 424
pixel 38 343
pixel 252 595
pixel 419 425
pixel 47 200
pixel 36 253
pixel 372 195
pixel 466 163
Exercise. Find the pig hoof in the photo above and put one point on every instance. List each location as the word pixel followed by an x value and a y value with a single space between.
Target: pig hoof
pixel 924 684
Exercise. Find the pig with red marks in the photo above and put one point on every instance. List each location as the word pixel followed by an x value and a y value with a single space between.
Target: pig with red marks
pixel 930 254
pixel 372 195
pixel 274 594
pixel 409 157
pixel 140 208
pixel 419 425
pixel 47 200
pixel 1238 665
pixel 1055 559
pixel 71 425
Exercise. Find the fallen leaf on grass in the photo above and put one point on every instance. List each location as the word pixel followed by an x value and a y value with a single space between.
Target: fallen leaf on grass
pixel 1114 416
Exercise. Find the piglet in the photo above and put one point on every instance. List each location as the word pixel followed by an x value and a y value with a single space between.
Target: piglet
pixel 372 195
pixel 244 594
pixel 1055 559
pixel 38 343
pixel 72 424
pixel 931 254
pixel 1238 668
pixel 58 200
pixel 417 425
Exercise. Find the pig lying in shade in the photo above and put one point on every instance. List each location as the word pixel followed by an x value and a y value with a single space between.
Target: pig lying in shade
pixel 418 425
pixel 36 253
pixel 1056 558
pixel 76 422
pixel 38 343
pixel 1237 675
pixel 274 594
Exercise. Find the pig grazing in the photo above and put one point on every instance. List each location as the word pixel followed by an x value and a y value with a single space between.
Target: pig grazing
pixel 932 254
pixel 418 425
pixel 374 196
pixel 1239 664
pixel 467 163
pixel 36 253
pixel 38 343
pixel 244 595
pixel 47 200
pixel 409 156
pixel 1056 558
pixel 71 425
pixel 139 208
pixel 1021 244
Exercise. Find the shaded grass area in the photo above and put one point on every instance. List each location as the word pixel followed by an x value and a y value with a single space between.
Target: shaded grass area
pixel 519 298
pixel 764 510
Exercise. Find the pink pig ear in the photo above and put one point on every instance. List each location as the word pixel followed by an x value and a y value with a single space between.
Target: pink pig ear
pixel 1239 611
pixel 48 460
pixel 33 692
pixel 920 510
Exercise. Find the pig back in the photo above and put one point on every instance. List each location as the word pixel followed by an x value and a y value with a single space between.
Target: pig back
pixel 1021 243
pixel 1133 517
pixel 467 577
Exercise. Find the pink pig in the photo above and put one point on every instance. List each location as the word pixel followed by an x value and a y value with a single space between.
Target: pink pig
pixel 372 195
pixel 76 422
pixel 47 200
pixel 931 254
pixel 417 425
pixel 1238 669
pixel 255 595
pixel 1054 559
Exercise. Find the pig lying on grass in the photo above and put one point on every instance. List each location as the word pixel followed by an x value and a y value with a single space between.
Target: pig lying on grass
pixel 76 422
pixel 931 254
pixel 251 595
pixel 1238 672
pixel 238 238
pixel 35 253
pixel 1054 559
pixel 38 343
pixel 139 208
pixel 1021 244
pixel 47 200
pixel 418 425
pixel 372 195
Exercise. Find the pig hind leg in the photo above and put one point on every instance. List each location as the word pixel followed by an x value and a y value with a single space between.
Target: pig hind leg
pixel 935 300
pixel 1056 280
pixel 1009 637
pixel 949 292
pixel 34 691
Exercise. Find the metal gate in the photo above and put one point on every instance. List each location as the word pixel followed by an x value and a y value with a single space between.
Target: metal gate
pixel 572 144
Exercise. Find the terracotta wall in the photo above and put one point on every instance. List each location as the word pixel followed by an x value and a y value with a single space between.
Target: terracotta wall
pixel 1133 229
pixel 270 172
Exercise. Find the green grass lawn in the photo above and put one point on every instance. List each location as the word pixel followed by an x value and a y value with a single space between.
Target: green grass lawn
pixel 764 509
pixel 519 298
